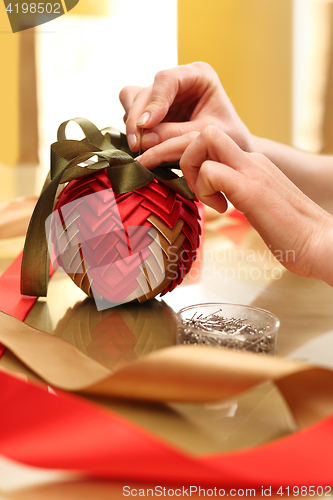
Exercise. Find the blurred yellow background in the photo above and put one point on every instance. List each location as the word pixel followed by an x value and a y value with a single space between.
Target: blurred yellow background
pixel 274 59
pixel 9 58
pixel 249 43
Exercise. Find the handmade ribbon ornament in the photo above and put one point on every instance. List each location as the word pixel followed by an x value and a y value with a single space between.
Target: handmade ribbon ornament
pixel 120 229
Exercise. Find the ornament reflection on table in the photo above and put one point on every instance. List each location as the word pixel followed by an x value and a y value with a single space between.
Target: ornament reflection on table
pixel 117 336
pixel 121 232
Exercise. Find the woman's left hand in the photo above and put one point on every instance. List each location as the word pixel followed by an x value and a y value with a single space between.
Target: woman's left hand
pixel 297 231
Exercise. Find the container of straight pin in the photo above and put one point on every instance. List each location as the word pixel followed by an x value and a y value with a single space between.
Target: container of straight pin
pixel 228 325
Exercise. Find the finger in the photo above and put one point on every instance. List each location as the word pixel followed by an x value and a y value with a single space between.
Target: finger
pixel 216 182
pixel 189 79
pixel 134 101
pixel 170 150
pixel 165 131
pixel 217 201
pixel 215 145
pixel 127 96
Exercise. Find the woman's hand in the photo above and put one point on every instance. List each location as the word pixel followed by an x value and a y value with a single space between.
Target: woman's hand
pixel 183 99
pixel 297 231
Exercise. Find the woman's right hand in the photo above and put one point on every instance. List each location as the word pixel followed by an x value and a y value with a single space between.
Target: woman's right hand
pixel 181 100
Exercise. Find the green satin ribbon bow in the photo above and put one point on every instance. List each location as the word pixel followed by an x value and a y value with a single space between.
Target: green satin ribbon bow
pixel 125 174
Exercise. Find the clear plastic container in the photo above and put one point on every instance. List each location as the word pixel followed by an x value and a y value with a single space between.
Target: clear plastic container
pixel 228 325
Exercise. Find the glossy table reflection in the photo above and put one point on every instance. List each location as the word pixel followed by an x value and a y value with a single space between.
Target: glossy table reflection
pixel 233 266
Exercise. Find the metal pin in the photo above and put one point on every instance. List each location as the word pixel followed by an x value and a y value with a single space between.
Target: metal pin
pixel 226 332
pixel 140 150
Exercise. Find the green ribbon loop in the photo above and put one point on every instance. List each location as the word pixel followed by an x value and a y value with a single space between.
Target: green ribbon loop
pixel 91 132
pixel 125 175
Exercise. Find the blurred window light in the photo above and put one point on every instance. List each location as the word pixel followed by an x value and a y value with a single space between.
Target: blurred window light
pixel 83 61
pixel 311 53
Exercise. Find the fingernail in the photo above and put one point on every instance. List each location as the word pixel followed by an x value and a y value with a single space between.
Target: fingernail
pixel 138 158
pixel 144 118
pixel 132 141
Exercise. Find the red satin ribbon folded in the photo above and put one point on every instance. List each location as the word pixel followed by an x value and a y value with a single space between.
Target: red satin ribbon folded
pixel 66 432
pixel 11 300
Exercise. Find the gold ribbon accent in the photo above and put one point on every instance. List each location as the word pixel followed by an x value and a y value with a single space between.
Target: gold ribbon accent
pixel 125 175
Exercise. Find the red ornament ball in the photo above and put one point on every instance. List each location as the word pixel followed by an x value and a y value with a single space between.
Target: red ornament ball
pixel 124 247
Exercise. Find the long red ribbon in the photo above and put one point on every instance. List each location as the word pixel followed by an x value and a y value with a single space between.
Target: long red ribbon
pixel 64 431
